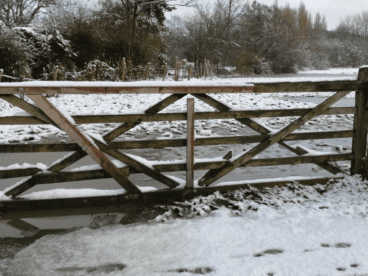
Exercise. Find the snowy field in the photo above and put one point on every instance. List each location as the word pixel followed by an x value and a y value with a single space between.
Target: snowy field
pixel 293 230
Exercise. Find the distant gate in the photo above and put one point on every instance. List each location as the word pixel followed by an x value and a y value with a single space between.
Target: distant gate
pixel 46 113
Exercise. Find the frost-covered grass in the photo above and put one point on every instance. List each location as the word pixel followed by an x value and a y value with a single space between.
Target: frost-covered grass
pixel 290 230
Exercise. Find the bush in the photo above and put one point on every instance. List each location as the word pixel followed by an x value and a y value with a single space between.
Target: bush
pixel 14 56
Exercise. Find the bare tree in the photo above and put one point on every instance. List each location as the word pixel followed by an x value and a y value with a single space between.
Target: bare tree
pixel 66 12
pixel 22 12
pixel 356 24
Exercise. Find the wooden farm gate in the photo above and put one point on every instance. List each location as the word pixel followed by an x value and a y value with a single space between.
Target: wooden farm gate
pixel 43 112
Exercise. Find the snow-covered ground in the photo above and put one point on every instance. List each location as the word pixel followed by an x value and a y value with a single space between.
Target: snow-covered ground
pixel 334 71
pixel 293 230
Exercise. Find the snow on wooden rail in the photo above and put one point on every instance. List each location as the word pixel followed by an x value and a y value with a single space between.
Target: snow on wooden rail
pixel 43 112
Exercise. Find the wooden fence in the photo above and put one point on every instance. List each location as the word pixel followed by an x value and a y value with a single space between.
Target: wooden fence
pixel 45 113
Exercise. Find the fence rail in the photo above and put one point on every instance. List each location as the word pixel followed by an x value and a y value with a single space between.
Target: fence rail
pixel 43 112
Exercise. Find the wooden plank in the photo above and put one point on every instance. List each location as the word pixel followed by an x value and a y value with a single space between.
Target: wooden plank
pixel 190 144
pixel 67 161
pixel 60 88
pixel 4 174
pixel 322 86
pixel 83 142
pixel 295 160
pixel 68 176
pixel 257 127
pixel 138 165
pixel 327 166
pixel 174 143
pixel 359 145
pixel 62 177
pixel 179 116
pixel 67 206
pixel 65 203
pixel 215 174
pixel 152 110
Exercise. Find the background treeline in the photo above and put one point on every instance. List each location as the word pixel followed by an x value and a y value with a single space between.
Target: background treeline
pixel 48 39
pixel 257 38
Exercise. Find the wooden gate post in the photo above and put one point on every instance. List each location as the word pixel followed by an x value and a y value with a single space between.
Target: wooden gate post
pixel 190 143
pixel 359 163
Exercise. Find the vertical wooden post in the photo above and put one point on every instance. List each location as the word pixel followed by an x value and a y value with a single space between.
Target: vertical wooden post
pixel 359 164
pixel 190 144
pixel 176 76
pixel 56 73
pixel 205 68
pixel 123 70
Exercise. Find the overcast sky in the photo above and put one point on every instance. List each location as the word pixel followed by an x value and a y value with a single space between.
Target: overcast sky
pixel 332 9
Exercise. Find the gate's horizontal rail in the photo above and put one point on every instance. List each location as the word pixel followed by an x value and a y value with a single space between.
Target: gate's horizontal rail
pixel 67 206
pixel 151 87
pixel 163 143
pixel 60 177
pixel 323 86
pixel 127 118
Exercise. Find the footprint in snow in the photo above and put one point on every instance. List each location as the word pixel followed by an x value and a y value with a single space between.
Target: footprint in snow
pixel 92 269
pixel 197 270
pixel 268 251
pixel 337 245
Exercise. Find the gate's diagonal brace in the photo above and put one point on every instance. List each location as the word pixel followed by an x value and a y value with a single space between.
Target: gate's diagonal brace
pixel 152 110
pixel 214 174
pixel 61 122
pixel 38 113
pixel 262 130
pixel 90 147
pixel 70 159
pixel 67 161
pixel 137 165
